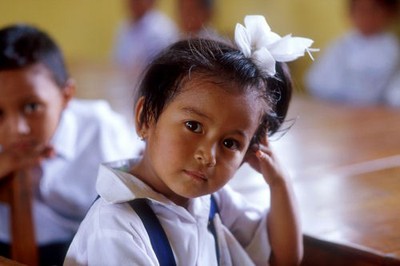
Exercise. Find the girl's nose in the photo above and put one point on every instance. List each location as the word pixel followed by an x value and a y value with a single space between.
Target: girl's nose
pixel 206 156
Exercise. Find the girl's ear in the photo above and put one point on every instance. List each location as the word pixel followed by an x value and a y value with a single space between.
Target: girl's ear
pixel 141 127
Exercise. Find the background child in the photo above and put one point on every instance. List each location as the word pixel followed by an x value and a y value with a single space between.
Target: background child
pixel 195 17
pixel 142 35
pixel 358 66
pixel 204 108
pixel 41 123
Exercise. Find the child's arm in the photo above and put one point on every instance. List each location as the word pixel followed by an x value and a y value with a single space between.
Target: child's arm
pixel 283 223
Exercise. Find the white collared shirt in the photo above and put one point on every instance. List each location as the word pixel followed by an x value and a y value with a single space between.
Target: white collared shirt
pixel 113 234
pixel 89 133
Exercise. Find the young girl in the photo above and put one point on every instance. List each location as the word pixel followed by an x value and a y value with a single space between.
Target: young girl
pixel 203 109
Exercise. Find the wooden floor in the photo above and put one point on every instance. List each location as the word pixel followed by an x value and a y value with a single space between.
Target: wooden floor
pixel 345 163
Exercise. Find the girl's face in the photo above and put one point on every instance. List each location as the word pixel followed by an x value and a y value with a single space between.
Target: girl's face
pixel 199 141
pixel 30 108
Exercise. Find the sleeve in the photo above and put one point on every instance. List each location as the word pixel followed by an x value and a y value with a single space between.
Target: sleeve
pixel 392 96
pixel 119 44
pixel 108 248
pixel 247 222
pixel 109 237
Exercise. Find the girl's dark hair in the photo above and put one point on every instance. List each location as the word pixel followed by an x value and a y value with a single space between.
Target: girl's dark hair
pixel 24 45
pixel 222 63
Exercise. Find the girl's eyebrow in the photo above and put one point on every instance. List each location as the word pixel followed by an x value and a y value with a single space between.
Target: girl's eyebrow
pixel 192 110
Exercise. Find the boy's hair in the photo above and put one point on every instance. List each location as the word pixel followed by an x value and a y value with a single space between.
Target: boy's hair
pixel 23 46
pixel 391 5
pixel 219 62
pixel 207 4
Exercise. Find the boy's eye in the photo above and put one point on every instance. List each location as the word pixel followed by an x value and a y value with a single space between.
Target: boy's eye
pixel 194 126
pixel 31 108
pixel 231 144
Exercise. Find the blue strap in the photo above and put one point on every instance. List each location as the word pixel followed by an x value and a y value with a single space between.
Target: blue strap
pixel 213 210
pixel 158 238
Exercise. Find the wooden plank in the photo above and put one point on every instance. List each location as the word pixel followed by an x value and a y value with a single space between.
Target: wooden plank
pixel 16 191
pixel 329 253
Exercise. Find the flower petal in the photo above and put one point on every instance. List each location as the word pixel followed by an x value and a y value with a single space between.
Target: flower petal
pixel 289 48
pixel 264 60
pixel 256 40
pixel 242 40
pixel 259 31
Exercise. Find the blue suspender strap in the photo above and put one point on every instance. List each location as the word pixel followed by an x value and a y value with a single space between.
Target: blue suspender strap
pixel 158 238
pixel 211 226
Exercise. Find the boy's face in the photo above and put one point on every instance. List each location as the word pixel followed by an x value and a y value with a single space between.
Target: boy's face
pixel 30 108
pixel 199 141
pixel 370 16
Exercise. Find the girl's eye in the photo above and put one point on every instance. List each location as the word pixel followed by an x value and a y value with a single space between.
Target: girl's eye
pixel 194 126
pixel 31 108
pixel 231 144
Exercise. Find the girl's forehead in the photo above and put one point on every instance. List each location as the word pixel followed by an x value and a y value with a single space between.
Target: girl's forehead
pixel 203 90
pixel 196 81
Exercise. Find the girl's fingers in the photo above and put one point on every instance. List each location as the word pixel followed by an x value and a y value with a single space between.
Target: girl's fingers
pixel 265 159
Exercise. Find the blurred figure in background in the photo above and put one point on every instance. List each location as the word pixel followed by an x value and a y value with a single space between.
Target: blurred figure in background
pixel 142 35
pixel 356 68
pixel 195 17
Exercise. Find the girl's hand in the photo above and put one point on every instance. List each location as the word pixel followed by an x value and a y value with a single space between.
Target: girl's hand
pixel 261 158
pixel 283 220
pixel 11 161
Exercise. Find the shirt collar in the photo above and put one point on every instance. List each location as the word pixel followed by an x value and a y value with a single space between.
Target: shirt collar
pixel 116 185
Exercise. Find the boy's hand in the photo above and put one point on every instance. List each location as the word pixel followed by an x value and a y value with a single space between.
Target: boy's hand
pixel 11 161
pixel 261 158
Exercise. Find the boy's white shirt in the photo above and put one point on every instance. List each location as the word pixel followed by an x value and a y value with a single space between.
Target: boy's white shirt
pixel 89 133
pixel 113 234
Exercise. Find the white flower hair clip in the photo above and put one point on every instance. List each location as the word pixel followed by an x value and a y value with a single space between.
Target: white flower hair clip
pixel 257 41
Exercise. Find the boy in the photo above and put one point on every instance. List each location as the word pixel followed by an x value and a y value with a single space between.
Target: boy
pixel 357 67
pixel 63 139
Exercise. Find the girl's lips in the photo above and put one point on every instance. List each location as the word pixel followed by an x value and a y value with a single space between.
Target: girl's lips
pixel 196 174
